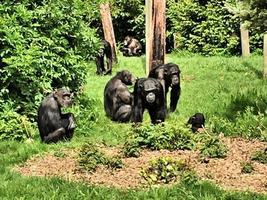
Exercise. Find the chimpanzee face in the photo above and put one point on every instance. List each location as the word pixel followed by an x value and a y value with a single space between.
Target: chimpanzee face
pixel 127 77
pixel 149 91
pixel 63 96
pixel 174 75
pixel 127 41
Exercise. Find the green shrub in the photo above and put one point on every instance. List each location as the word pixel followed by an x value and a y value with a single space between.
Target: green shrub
pixel 43 46
pixel 247 167
pixel 14 126
pixel 167 136
pixel 212 147
pixel 260 156
pixel 163 170
pixel 90 157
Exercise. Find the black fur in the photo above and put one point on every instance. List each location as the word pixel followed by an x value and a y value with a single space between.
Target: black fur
pixel 105 53
pixel 197 121
pixel 169 76
pixel 145 89
pixel 52 124
pixel 117 97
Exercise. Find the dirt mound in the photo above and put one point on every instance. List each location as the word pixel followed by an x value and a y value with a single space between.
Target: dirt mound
pixel 226 171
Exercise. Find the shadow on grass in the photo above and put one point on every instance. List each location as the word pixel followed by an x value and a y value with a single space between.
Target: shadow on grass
pixel 242 101
pixel 248 67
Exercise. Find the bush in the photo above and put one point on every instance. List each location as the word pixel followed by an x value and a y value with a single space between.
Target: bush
pixel 14 126
pixel 260 156
pixel 43 46
pixel 211 147
pixel 163 170
pixel 167 136
pixel 90 157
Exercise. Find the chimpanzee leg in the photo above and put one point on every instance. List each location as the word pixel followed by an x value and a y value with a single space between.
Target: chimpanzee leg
pixel 55 136
pixel 175 94
pixel 124 113
pixel 100 64
pixel 157 115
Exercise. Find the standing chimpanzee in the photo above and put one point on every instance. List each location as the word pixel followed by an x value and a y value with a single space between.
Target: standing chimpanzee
pixel 52 124
pixel 149 94
pixel 105 52
pixel 117 97
pixel 131 47
pixel 169 76
pixel 198 122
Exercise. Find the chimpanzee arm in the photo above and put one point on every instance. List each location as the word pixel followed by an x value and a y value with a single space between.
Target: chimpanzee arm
pixel 175 94
pixel 138 105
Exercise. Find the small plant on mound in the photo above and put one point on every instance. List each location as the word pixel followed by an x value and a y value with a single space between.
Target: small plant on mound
pixel 211 147
pixel 260 156
pixel 247 167
pixel 90 157
pixel 157 137
pixel 163 170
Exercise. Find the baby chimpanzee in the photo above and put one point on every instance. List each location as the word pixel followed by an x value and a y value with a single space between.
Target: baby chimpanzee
pixel 198 122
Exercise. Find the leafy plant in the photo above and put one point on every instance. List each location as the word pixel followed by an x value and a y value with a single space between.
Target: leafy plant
pixel 212 147
pixel 163 170
pixel 260 156
pixel 247 167
pixel 90 157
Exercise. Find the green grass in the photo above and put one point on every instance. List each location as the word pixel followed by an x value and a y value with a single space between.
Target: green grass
pixel 217 86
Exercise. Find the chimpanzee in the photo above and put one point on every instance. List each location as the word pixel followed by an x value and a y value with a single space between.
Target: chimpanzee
pixel 149 94
pixel 169 76
pixel 52 124
pixel 105 52
pixel 198 122
pixel 131 47
pixel 117 97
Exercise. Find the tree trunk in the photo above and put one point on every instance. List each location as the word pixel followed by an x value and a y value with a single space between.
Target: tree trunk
pixel 155 33
pixel 244 41
pixel 108 28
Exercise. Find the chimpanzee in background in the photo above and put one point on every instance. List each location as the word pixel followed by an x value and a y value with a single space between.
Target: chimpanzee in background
pixel 131 47
pixel 52 124
pixel 169 76
pixel 117 97
pixel 105 53
pixel 149 94
pixel 198 122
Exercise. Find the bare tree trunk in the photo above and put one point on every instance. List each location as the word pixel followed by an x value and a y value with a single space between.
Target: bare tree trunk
pixel 108 28
pixel 244 41
pixel 155 33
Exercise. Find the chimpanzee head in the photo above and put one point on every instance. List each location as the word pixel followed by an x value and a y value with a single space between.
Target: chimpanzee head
pixel 126 77
pixel 197 121
pixel 127 41
pixel 172 74
pixel 149 90
pixel 63 97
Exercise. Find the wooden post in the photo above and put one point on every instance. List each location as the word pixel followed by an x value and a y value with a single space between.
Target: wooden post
pixel 155 33
pixel 108 28
pixel 244 41
pixel 265 56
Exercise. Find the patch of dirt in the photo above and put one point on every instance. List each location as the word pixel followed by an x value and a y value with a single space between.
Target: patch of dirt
pixel 226 172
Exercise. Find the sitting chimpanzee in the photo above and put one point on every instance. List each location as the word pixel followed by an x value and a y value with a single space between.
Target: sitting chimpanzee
pixel 105 53
pixel 131 47
pixel 198 122
pixel 169 76
pixel 52 124
pixel 117 97
pixel 148 94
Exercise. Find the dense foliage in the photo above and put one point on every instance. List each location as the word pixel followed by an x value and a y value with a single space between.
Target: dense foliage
pixel 44 45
